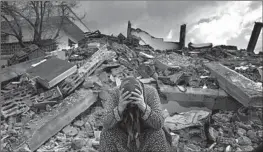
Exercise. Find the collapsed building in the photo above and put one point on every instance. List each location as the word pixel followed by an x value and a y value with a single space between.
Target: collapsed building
pixel 56 103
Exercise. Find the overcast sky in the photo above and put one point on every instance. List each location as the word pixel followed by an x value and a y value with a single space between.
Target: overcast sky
pixel 218 22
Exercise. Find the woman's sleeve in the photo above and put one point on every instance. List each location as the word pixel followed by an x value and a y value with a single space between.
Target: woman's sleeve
pixel 153 114
pixel 111 115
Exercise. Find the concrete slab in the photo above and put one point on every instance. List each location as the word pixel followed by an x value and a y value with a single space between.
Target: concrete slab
pixel 210 98
pixel 244 90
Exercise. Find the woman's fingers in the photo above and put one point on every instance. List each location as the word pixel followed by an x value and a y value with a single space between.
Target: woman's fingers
pixel 135 98
pixel 125 94
pixel 136 94
pixel 126 97
pixel 138 91
pixel 127 101
pixel 121 91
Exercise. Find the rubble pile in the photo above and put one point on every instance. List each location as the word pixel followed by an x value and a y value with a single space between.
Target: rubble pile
pixel 227 130
pixel 250 71
pixel 61 109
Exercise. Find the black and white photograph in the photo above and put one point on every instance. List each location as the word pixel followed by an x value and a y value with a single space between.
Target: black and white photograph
pixel 131 76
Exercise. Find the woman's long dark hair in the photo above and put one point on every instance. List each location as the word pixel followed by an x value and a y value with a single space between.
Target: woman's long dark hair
pixel 131 119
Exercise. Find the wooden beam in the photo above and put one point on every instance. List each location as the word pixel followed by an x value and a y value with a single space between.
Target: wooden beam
pixel 210 98
pixel 244 90
pixel 52 122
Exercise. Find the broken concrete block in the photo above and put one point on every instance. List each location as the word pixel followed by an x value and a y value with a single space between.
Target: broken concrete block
pixel 212 134
pixel 12 108
pixel 89 129
pixel 95 143
pixel 244 141
pixel 78 123
pixel 70 131
pixel 97 135
pixel 104 77
pixel 88 85
pixel 160 66
pixel 78 143
pixel 245 148
pixel 71 83
pixel 94 80
pixel 145 71
pixel 52 71
pixel 241 131
pixel 244 90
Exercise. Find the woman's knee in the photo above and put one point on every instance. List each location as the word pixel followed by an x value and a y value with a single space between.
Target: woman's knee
pixel 112 134
pixel 107 134
pixel 156 141
pixel 152 134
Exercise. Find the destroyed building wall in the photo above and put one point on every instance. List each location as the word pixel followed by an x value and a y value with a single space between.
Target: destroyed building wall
pixel 156 43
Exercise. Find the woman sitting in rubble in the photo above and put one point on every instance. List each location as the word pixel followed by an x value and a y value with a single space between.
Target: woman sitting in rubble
pixel 134 120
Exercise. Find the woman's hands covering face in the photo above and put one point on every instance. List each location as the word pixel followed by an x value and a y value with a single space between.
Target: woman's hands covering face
pixel 138 99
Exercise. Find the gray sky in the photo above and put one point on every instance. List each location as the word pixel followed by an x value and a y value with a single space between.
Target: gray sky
pixel 218 22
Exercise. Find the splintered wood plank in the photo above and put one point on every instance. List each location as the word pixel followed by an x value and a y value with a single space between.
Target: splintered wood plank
pixel 41 129
pixel 211 98
pixel 244 90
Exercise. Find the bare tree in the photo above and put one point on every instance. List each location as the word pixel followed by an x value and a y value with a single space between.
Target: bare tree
pixel 37 15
